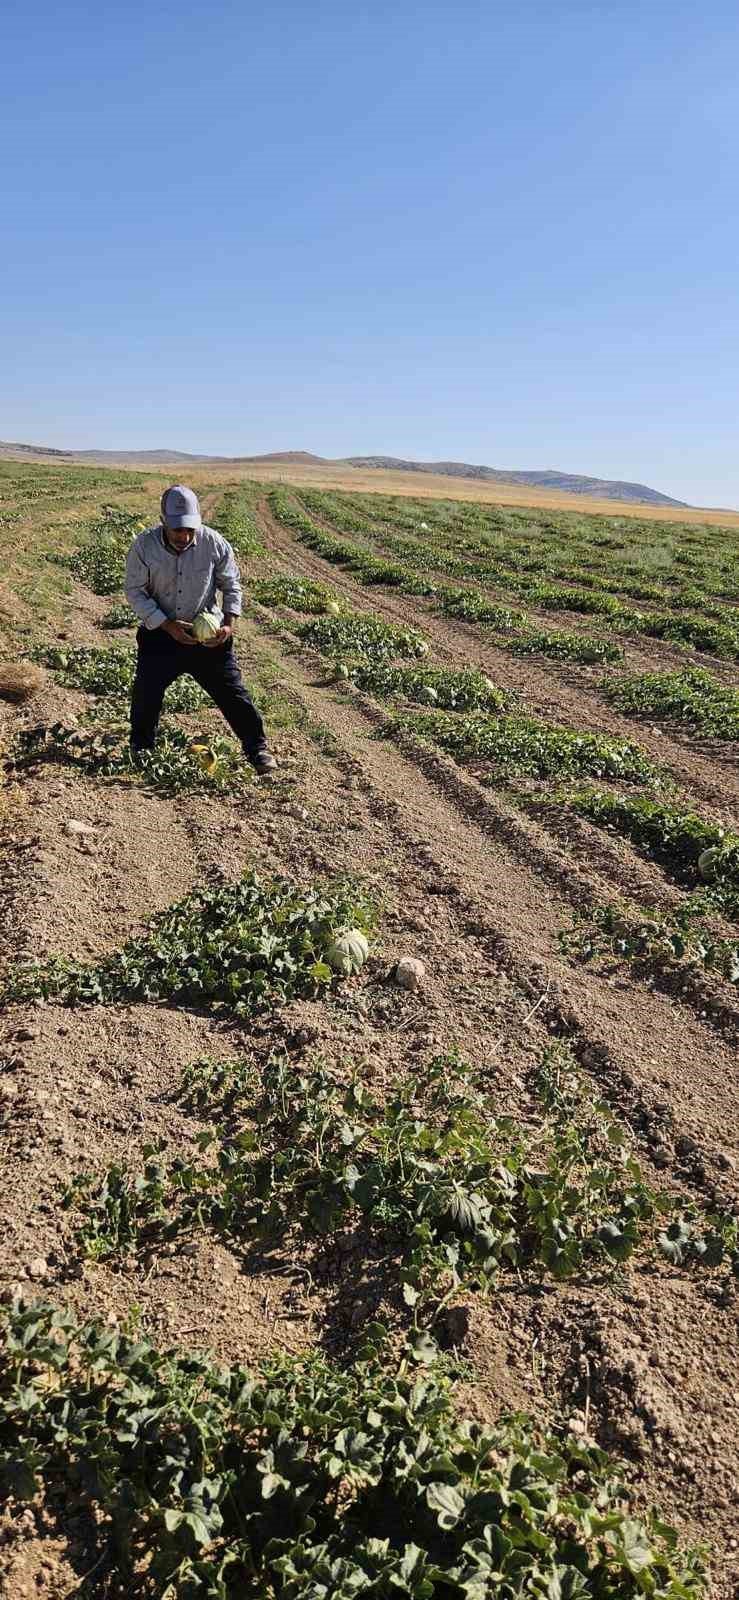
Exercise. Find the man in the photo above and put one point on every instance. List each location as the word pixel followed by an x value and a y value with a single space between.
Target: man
pixel 172 574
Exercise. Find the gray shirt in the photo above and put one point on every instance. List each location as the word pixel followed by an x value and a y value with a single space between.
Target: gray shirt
pixel 164 585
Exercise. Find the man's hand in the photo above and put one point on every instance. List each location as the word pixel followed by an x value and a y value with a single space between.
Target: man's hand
pixel 181 632
pixel 221 637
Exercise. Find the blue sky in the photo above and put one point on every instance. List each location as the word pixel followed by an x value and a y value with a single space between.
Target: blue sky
pixel 504 233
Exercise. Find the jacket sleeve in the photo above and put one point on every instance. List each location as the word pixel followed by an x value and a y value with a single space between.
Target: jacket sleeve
pixel 228 581
pixel 137 590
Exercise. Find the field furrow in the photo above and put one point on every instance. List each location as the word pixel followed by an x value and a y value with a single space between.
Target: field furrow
pixel 225 1116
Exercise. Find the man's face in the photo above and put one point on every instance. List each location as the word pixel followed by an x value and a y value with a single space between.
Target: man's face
pixel 180 538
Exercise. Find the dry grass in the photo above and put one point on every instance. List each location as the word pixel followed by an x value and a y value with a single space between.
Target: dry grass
pixel 418 486
pixel 19 681
pixel 430 486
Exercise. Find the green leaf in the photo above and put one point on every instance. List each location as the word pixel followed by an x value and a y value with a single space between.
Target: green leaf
pixel 446 1502
pixel 424 1349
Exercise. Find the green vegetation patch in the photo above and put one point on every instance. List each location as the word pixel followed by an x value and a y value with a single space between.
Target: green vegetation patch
pixel 300 594
pixel 100 563
pixel 695 852
pixel 454 690
pixel 235 520
pixel 713 638
pixel 692 695
pixel 652 938
pixel 111 672
pixel 560 645
pixel 300 1480
pixel 247 945
pixel 471 605
pixel 120 616
pixel 360 634
pixel 179 763
pixel 520 746
pixel 453 1195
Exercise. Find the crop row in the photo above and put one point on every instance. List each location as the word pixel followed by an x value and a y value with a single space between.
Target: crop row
pixel 246 945
pixel 365 649
pixel 710 633
pixel 454 1195
pixel 111 672
pixel 180 763
pixel 612 550
pixel 299 1479
pixel 518 635
pixel 234 518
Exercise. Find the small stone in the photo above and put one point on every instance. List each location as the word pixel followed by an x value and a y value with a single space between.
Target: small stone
pixel 75 829
pixel 38 1269
pixel 410 972
pixel 27 1033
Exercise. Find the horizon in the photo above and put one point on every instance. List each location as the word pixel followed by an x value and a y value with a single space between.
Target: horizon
pixel 352 455
pixel 454 232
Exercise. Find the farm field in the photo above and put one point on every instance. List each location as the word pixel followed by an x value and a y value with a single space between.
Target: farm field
pixel 475 1240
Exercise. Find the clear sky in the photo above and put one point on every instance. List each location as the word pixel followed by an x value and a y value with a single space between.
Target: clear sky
pixel 504 233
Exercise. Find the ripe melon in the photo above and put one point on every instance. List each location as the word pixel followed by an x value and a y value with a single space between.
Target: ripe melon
pixel 348 953
pixel 205 626
pixel 709 862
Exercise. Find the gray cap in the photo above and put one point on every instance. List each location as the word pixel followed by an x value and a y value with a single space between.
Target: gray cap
pixel 180 508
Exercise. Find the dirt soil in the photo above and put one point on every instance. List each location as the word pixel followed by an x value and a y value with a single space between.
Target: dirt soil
pixel 645 1363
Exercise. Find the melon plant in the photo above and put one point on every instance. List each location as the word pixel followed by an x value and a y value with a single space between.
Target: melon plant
pixel 692 695
pixel 248 945
pixel 110 671
pixel 524 746
pixel 362 635
pixel 299 594
pixel 300 1477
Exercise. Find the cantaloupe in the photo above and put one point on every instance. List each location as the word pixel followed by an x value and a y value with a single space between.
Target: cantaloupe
pixel 348 953
pixel 205 626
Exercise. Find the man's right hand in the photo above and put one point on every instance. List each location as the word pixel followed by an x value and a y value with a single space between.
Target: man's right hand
pixel 181 632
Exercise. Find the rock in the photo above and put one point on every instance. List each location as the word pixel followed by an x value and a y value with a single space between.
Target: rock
pixel 75 829
pixel 24 1034
pixel 38 1269
pixel 410 972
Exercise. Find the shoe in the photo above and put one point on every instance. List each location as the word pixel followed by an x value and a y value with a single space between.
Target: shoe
pixel 262 761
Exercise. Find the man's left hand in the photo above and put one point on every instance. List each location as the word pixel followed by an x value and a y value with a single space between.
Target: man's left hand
pixel 221 637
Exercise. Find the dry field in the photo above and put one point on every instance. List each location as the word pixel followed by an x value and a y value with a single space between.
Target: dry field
pixel 506 728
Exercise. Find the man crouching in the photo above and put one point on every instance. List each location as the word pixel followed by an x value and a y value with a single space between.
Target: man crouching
pixel 172 573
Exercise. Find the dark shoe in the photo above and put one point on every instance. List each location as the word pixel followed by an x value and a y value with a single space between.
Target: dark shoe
pixel 262 761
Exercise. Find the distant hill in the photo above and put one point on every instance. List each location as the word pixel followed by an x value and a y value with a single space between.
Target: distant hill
pixel 566 482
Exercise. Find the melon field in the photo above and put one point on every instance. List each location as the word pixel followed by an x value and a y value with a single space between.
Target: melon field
pixel 369 1137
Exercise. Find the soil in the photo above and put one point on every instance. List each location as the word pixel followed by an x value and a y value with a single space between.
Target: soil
pixel 475 884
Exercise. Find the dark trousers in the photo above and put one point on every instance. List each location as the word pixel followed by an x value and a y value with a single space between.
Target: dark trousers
pixel 161 659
